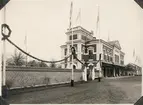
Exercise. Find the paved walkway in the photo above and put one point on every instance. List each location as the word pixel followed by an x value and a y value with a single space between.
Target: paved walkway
pixel 108 91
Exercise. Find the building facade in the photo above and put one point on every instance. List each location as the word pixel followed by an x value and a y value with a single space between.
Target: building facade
pixel 88 48
pixel 133 69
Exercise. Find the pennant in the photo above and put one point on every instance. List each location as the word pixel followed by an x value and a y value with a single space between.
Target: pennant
pixel 71 15
pixel 134 53
pixel 97 21
pixel 79 17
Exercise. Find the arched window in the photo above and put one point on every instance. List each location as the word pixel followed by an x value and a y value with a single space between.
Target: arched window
pixel 74 67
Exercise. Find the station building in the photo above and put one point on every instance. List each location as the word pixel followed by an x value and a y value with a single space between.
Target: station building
pixel 112 58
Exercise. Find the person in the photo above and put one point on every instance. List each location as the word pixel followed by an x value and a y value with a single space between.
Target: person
pixel 88 73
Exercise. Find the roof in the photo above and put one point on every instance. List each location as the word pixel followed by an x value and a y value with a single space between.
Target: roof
pixel 80 28
pixel 63 46
pixel 115 43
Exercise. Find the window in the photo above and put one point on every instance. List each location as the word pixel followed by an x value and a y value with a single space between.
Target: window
pixel 85 50
pixel 105 57
pixel 83 37
pixel 104 51
pixel 65 51
pixel 74 37
pixel 70 37
pixel 70 58
pixel 122 57
pixel 122 62
pixel 94 57
pixel 111 59
pixel 108 58
pixel 90 54
pixel 94 48
pixel 74 67
pixel 65 60
pixel 116 58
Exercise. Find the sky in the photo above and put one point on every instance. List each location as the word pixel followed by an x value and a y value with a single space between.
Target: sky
pixel 45 22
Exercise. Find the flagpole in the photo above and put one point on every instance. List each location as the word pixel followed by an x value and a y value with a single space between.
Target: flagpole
pixel 134 56
pixel 0 68
pixel 3 88
pixel 71 28
pixel 78 18
pixel 26 46
pixel 4 50
pixel 98 34
pixel 108 36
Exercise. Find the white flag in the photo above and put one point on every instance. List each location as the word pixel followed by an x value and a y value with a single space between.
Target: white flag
pixel 71 15
pixel 97 21
pixel 78 18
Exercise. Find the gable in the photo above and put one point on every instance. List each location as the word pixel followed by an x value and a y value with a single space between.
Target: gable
pixel 117 44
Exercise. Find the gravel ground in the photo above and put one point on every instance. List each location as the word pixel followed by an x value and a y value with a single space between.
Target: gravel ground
pixel 108 91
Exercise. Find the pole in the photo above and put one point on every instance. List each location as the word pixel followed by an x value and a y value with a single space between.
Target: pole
pixel 71 28
pixel 2 82
pixel 0 68
pixel 98 33
pixel 72 80
pixel 4 51
pixel 4 87
pixel 26 47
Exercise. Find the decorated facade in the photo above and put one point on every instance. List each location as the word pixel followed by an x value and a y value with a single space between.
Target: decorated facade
pixel 88 49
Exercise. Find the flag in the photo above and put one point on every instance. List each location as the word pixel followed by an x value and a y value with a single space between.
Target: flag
pixel 134 53
pixel 25 40
pixel 79 17
pixel 71 15
pixel 136 60
pixel 108 36
pixel 97 21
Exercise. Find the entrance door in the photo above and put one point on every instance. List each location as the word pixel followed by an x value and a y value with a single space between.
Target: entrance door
pixel 89 72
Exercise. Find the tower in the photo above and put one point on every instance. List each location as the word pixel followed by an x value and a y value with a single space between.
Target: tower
pixel 80 36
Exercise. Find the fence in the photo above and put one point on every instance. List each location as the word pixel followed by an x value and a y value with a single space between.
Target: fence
pixel 19 77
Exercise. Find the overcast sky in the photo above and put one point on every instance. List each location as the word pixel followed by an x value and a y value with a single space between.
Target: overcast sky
pixel 46 21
